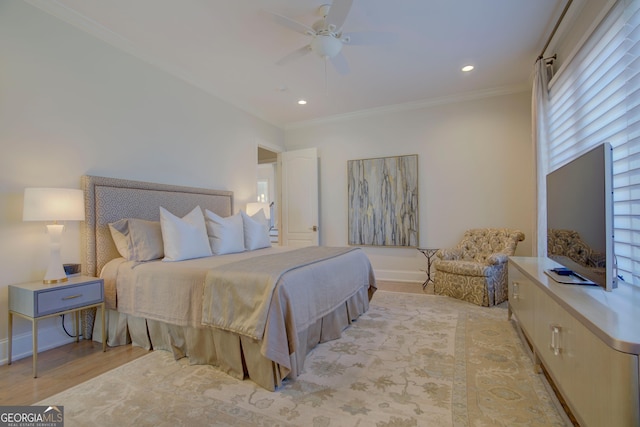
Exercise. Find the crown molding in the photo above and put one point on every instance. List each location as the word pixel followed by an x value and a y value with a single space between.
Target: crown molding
pixel 409 106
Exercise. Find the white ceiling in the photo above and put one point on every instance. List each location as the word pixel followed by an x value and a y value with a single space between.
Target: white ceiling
pixel 230 48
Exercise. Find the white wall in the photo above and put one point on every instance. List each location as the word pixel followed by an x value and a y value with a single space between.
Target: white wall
pixel 475 167
pixel 72 105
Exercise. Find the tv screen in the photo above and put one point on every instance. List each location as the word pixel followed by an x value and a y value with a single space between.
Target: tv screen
pixel 580 219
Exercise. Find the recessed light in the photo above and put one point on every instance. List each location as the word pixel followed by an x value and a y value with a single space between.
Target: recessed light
pixel 467 68
pixel 302 102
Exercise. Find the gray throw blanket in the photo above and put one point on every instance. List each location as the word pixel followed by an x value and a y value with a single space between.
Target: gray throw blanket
pixel 237 296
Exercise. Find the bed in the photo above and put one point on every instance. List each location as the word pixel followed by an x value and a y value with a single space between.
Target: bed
pixel 189 308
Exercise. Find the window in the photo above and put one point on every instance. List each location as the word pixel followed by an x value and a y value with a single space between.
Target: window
pixel 596 98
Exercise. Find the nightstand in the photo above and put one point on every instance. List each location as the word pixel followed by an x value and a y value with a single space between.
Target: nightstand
pixel 36 301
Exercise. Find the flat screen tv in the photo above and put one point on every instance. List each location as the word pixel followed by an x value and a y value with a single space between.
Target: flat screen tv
pixel 580 220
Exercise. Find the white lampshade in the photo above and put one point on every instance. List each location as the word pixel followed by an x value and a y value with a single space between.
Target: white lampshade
pixel 253 208
pixel 53 204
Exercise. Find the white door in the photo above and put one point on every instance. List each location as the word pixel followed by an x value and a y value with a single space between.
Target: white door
pixel 299 197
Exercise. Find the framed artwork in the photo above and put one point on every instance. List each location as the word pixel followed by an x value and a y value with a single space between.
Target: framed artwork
pixel 383 201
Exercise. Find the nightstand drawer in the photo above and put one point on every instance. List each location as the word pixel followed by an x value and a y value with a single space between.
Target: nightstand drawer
pixel 66 298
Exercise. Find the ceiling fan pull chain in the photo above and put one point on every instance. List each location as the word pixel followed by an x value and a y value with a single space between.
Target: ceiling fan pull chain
pixel 326 84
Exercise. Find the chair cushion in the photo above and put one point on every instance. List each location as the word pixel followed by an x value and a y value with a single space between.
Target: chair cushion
pixel 466 268
pixel 449 254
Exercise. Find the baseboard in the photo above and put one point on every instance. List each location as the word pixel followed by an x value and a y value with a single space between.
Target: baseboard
pixel 50 335
pixel 401 276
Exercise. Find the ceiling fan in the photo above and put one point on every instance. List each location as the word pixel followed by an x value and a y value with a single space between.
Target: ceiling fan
pixel 327 38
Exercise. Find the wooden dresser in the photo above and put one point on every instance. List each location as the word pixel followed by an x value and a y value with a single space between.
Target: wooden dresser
pixel 587 339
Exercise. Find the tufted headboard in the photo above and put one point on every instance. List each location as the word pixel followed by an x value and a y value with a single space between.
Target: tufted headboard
pixel 110 199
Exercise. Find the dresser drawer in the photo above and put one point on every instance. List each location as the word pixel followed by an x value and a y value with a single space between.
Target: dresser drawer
pixel 61 299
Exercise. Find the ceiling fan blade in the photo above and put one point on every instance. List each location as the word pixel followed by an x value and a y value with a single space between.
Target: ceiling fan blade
pixel 294 55
pixel 340 64
pixel 369 38
pixel 291 24
pixel 338 13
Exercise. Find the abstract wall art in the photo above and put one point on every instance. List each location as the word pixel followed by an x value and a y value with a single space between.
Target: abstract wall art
pixel 383 201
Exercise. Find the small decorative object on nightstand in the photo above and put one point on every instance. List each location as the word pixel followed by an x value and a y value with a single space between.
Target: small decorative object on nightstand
pixel 36 301
pixel 428 253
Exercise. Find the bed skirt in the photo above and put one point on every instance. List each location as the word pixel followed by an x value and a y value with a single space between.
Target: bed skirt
pixel 239 356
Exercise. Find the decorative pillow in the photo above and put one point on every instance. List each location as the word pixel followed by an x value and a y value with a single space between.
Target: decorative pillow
pixel 261 218
pixel 184 238
pixel 226 235
pixel 138 239
pixel 256 232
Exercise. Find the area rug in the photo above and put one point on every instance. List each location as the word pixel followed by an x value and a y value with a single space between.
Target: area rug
pixel 411 360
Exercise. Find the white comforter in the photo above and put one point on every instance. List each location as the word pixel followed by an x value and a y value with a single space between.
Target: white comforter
pixel 166 291
pixel 173 292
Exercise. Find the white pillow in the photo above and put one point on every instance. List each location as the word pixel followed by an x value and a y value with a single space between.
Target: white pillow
pixel 261 218
pixel 256 232
pixel 184 238
pixel 226 235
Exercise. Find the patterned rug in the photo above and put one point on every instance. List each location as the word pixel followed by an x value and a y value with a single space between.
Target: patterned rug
pixel 411 360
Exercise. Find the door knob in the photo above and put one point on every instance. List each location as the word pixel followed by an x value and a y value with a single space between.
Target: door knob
pixel 314 228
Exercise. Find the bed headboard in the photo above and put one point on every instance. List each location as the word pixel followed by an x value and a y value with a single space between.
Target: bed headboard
pixel 110 199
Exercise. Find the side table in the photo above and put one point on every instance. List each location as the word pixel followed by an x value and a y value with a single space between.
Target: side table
pixel 36 301
pixel 428 253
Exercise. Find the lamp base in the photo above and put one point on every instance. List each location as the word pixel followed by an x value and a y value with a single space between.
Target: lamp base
pixel 55 273
pixel 52 281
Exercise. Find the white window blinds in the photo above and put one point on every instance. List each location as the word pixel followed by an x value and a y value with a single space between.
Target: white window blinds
pixel 595 99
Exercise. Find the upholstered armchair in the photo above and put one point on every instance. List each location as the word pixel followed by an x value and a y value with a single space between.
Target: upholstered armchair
pixel 568 243
pixel 476 269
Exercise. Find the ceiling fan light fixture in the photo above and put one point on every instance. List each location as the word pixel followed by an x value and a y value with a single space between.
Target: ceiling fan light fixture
pixel 326 46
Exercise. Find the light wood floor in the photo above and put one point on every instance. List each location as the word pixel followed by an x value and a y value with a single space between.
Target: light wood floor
pixel 59 369
pixel 75 363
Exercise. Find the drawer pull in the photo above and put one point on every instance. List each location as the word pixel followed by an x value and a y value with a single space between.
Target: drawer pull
pixel 555 340
pixel 71 297
pixel 516 290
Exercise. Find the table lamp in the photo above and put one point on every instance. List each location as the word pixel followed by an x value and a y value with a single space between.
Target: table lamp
pixel 53 204
pixel 254 207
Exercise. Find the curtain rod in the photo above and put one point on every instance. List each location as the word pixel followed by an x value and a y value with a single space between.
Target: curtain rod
pixel 553 32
